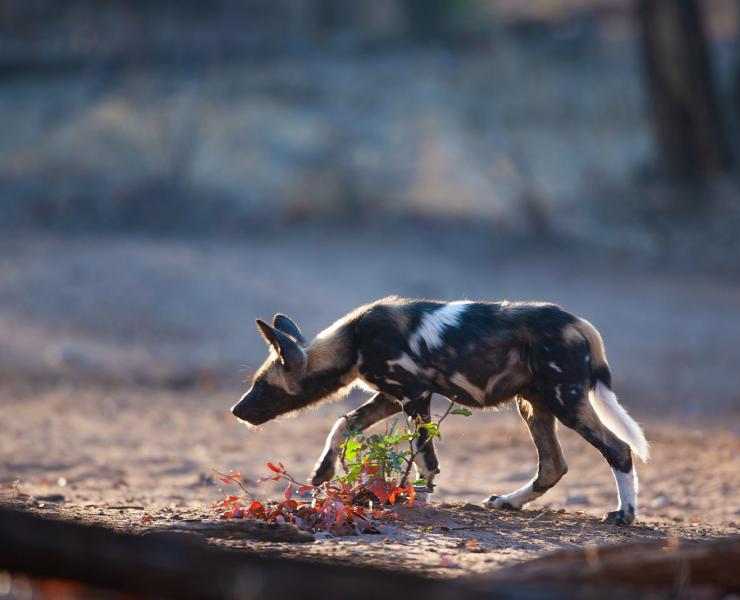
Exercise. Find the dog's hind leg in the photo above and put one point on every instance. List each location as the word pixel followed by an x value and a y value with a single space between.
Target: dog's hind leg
pixel 552 465
pixel 376 409
pixel 619 456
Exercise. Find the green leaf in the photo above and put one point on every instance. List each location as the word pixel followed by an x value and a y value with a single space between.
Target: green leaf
pixel 396 460
pixel 461 411
pixel 351 448
pixel 354 432
pixel 431 428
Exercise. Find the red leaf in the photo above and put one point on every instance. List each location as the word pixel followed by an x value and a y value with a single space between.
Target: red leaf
pixel 282 466
pixel 412 493
pixel 256 510
pixel 288 491
pixel 274 468
pixel 291 505
pixel 304 489
pixel 396 490
pixel 380 488
pixel 228 501
pixel 231 477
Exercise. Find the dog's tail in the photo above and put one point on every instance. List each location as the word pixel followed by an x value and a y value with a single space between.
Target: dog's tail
pixel 610 412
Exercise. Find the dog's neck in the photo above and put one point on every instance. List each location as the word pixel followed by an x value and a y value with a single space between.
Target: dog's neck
pixel 331 364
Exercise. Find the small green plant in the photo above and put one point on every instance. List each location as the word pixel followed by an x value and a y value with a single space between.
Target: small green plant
pixel 377 469
pixel 381 464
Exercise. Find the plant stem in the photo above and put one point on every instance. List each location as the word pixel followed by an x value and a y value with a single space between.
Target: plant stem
pixel 410 461
pixel 238 481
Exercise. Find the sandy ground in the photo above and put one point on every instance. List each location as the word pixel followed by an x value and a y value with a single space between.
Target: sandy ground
pixel 113 455
pixel 120 358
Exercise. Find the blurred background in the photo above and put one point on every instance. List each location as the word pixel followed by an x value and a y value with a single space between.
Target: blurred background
pixel 171 170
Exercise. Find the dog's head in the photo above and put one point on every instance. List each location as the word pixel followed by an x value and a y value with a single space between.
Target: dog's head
pixel 277 384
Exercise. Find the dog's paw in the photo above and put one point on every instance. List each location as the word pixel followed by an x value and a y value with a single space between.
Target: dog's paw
pixel 324 470
pixel 618 517
pixel 499 502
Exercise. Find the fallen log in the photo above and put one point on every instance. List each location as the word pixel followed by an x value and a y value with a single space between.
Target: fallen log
pixel 174 564
pixel 182 566
pixel 238 529
pixel 671 566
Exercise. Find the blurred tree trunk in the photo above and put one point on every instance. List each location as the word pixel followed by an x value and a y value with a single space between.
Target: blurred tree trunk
pixel 691 141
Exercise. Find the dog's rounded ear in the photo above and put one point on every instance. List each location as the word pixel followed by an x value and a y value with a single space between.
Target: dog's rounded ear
pixel 291 355
pixel 286 325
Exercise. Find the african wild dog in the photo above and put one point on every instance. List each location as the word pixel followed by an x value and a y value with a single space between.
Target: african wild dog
pixel 479 354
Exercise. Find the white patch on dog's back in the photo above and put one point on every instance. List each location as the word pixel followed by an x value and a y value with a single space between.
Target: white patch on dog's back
pixel 433 325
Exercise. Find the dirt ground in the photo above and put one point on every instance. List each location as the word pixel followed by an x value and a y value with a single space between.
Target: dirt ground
pixel 113 455
pixel 120 358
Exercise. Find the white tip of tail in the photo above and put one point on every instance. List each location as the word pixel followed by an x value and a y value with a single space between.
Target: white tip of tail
pixel 615 418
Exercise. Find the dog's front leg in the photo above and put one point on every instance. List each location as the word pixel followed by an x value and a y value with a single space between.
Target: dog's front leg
pixel 427 465
pixel 376 409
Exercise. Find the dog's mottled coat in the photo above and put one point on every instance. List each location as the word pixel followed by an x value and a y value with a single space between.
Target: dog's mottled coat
pixel 478 354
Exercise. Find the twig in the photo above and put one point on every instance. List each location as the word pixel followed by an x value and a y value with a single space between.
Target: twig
pixel 237 480
pixel 410 459
pixel 290 479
